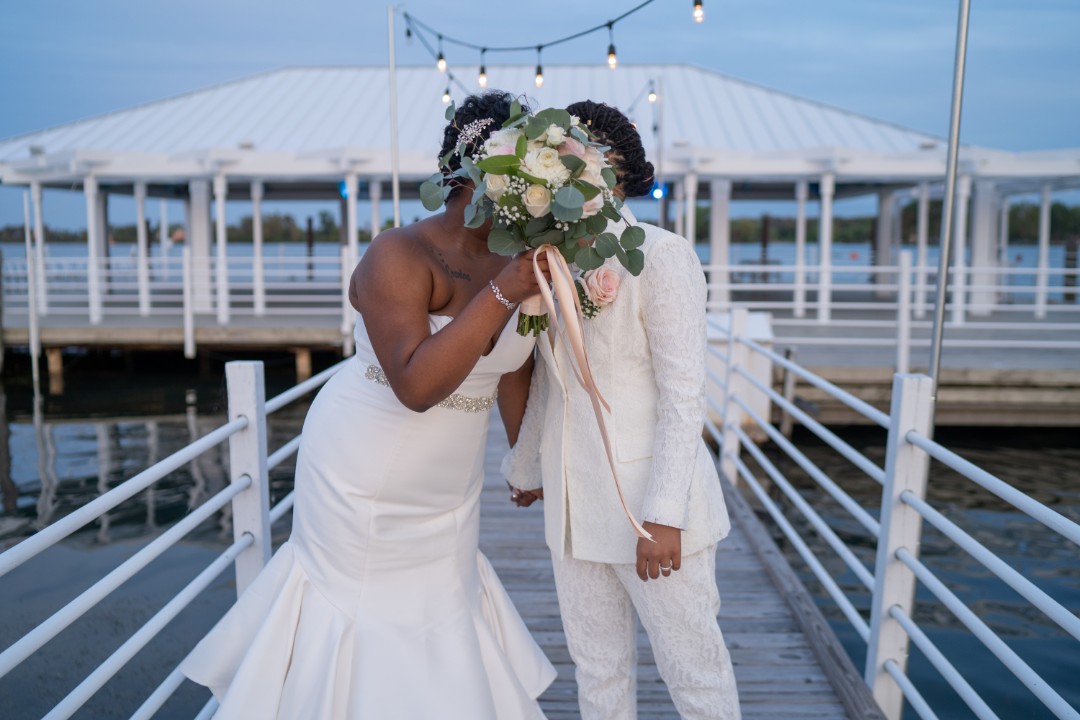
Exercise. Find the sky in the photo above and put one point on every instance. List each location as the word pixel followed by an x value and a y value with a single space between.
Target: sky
pixel 62 60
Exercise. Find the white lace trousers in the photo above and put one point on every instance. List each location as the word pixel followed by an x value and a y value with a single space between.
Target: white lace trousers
pixel 678 612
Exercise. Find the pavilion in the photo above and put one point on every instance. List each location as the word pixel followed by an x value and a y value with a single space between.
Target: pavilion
pixel 323 133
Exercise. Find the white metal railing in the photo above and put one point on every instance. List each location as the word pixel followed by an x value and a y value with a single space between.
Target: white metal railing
pixel 248 495
pixel 178 290
pixel 888 628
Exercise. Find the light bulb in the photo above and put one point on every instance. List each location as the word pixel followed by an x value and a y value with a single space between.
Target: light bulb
pixel 482 80
pixel 441 63
pixel 652 96
pixel 539 76
pixel 699 12
pixel 446 96
pixel 612 58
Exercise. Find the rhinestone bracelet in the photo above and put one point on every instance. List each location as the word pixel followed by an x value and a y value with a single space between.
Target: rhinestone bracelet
pixel 499 296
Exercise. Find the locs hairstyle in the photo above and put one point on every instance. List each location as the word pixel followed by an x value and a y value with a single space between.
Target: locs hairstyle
pixel 612 128
pixel 492 105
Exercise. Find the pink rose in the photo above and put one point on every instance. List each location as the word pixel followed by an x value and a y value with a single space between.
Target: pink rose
pixel 591 207
pixel 602 285
pixel 570 146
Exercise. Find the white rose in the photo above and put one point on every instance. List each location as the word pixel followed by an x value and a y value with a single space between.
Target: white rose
pixel 574 121
pixel 537 200
pixel 502 142
pixel 546 165
pixel 555 135
pixel 496 186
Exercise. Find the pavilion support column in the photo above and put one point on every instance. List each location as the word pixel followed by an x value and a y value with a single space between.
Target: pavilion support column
pixel 802 192
pixel 691 207
pixel 375 198
pixel 93 241
pixel 984 239
pixel 922 234
pixel 351 241
pixel 142 266
pixel 825 235
pixel 720 243
pixel 198 239
pixel 1041 274
pixel 959 277
pixel 220 237
pixel 258 270
pixel 105 270
pixel 39 248
pixel 883 240
pixel 680 195
pixel 1003 235
pixel 164 239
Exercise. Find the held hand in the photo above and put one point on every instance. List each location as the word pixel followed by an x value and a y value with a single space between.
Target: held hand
pixel 517 281
pixel 662 556
pixel 525 498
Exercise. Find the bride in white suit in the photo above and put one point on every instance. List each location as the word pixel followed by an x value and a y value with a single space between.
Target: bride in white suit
pixel 647 353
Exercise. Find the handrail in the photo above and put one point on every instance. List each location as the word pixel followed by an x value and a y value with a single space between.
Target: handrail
pixel 59 530
pixel 1050 518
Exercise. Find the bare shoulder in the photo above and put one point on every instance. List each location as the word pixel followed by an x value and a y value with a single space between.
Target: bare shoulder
pixel 397 267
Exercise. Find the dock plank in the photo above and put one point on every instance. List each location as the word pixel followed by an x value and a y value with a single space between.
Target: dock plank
pixel 777 669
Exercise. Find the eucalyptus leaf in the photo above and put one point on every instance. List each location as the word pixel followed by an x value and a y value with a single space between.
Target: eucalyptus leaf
pixel 521 147
pixel 587 189
pixel 579 134
pixel 451 110
pixel 445 159
pixel 515 108
pixel 502 242
pixel 635 261
pixel 548 237
pixel 632 237
pixel 568 252
pixel 596 224
pixel 564 213
pixel 445 191
pixel 572 163
pixel 471 217
pixel 536 226
pixel 470 167
pixel 587 258
pixel 606 245
pixel 611 213
pixel 569 196
pixel 609 177
pixel 621 255
pixel 478 192
pixel 578 231
pixel 531 179
pixel 554 116
pixel 499 164
pixel 535 128
pixel 431 195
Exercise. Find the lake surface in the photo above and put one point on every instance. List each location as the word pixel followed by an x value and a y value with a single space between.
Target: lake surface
pixel 112 422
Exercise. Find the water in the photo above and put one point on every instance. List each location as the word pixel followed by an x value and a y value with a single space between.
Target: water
pixel 110 423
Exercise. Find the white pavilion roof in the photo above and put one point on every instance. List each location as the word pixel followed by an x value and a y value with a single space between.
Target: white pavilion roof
pixel 318 122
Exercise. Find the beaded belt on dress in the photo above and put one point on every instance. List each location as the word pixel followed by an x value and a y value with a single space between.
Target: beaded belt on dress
pixel 454 402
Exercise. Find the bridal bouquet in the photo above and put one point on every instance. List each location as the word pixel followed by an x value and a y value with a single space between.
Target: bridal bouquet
pixel 542 181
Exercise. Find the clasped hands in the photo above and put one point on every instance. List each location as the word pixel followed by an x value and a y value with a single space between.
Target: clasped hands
pixel 658 557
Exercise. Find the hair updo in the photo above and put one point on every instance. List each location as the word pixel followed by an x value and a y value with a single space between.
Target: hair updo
pixel 493 105
pixel 612 128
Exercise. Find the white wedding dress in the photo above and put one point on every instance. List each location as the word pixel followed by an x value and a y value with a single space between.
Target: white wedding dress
pixel 380 606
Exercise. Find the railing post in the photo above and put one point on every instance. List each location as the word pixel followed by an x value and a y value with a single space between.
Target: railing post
pixel 348 315
pixel 187 291
pixel 901 527
pixel 247 457
pixel 142 267
pixel 221 188
pixel 738 356
pixel 903 314
pixel 787 422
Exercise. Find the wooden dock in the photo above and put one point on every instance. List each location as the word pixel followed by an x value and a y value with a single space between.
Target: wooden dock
pixel 788 664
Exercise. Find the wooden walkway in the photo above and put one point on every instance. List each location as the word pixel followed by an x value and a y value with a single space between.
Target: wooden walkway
pixel 779 674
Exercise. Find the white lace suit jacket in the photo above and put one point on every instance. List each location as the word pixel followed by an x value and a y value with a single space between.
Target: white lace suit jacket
pixel 647 353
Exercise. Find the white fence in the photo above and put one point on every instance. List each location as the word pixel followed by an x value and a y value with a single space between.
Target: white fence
pixel 252 518
pixel 896 533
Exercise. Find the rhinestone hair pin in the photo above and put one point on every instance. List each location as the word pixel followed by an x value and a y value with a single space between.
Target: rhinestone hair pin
pixel 471 132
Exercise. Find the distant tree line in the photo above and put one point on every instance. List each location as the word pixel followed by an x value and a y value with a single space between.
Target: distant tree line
pixel 1023 227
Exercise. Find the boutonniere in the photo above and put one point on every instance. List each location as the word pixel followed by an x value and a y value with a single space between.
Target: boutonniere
pixel 597 289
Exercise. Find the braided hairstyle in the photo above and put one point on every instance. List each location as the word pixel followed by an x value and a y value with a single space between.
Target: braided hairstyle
pixel 612 128
pixel 493 105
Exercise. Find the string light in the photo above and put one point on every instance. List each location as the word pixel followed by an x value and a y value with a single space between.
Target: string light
pixel 612 58
pixel 446 96
pixel 699 12
pixel 482 80
pixel 440 62
pixel 652 91
pixel 539 68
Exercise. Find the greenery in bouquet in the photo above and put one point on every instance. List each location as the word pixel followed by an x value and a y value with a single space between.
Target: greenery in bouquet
pixel 542 180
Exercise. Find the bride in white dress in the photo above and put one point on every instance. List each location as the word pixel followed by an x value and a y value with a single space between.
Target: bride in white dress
pixel 380 605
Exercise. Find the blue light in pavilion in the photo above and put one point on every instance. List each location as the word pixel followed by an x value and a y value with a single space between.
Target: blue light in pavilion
pixel 658 191
pixel 343 189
